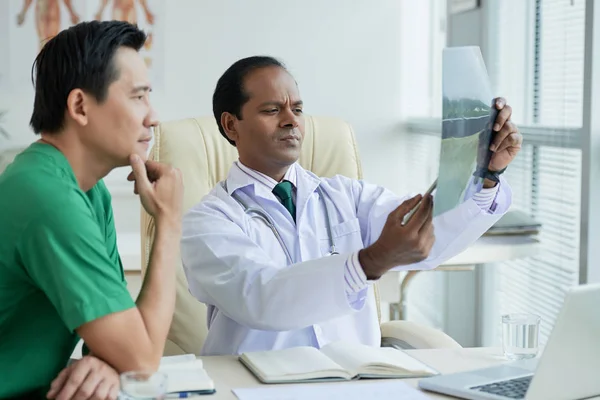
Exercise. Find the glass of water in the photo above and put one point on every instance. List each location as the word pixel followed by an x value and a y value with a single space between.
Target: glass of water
pixel 138 385
pixel 520 334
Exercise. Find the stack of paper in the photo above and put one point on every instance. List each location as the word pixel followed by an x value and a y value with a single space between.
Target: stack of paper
pixel 382 390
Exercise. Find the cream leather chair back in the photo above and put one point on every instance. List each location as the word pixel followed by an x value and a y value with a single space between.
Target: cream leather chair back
pixel 196 147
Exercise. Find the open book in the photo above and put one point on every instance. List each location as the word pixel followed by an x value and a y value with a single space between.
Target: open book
pixel 335 361
pixel 186 374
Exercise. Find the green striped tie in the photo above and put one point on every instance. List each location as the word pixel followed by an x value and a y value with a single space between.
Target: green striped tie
pixel 283 191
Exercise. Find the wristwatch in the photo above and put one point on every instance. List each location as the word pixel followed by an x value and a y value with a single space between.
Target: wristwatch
pixel 485 173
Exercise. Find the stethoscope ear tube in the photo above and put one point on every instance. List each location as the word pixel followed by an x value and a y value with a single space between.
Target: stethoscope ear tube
pixel 260 213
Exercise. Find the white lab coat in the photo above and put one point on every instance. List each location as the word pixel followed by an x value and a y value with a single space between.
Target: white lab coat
pixel 256 301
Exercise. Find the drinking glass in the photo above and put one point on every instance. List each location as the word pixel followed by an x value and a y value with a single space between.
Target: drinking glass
pixel 520 334
pixel 144 385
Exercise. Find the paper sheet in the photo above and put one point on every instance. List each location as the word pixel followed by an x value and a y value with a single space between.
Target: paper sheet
pixel 380 390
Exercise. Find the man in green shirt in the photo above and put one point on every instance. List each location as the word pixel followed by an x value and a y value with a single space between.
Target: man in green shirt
pixel 61 277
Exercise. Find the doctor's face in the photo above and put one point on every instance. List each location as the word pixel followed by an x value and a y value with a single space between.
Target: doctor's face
pixel 270 132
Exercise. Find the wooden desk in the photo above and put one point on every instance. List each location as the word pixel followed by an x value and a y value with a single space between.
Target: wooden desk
pixel 228 373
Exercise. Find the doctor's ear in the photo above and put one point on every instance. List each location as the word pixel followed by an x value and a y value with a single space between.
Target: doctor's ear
pixel 228 121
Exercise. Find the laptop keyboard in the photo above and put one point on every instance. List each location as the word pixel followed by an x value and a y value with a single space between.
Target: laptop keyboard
pixel 512 388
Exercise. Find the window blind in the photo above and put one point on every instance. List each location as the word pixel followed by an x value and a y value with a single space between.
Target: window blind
pixel 546 179
pixel 538 284
pixel 538 66
pixel 558 90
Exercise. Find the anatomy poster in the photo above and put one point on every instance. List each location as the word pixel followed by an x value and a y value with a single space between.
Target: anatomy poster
pixel 4 48
pixel 33 22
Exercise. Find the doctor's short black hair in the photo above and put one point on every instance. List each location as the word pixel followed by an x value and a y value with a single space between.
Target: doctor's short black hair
pixel 80 57
pixel 229 95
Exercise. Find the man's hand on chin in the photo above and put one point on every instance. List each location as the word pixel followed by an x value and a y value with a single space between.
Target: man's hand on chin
pixel 88 378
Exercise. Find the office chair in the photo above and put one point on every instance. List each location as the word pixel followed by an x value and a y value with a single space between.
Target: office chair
pixel 196 147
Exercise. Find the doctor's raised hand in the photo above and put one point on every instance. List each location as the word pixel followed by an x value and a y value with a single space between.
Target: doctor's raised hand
pixel 401 244
pixel 507 141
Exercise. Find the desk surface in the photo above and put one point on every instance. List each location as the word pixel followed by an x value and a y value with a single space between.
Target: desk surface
pixel 228 373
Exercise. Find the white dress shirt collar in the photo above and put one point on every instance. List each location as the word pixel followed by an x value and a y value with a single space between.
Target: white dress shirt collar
pixel 241 176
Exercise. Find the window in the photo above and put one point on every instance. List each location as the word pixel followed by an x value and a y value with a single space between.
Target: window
pixel 558 64
pixel 422 90
pixel 424 33
pixel 546 177
pixel 534 52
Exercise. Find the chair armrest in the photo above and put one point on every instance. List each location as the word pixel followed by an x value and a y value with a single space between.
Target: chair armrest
pixel 409 335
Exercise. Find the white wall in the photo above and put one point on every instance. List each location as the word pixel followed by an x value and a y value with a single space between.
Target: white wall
pixel 346 56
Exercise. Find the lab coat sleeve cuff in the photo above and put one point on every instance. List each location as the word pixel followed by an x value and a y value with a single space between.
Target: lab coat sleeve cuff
pixel 355 279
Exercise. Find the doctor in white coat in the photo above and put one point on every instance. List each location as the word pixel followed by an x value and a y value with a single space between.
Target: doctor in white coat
pixel 285 258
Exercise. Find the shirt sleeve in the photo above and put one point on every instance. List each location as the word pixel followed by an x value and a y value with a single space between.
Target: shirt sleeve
pixel 355 281
pixel 485 198
pixel 66 255
pixel 111 233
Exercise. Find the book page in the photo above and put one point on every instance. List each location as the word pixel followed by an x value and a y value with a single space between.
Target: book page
pixel 170 360
pixel 187 361
pixel 185 373
pixel 350 356
pixel 188 380
pixel 293 363
pixel 382 360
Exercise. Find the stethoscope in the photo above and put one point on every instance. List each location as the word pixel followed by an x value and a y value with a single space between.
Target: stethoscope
pixel 260 213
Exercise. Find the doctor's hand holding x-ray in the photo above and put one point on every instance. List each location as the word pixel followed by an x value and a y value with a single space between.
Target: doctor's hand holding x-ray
pixel 282 257
pixel 401 244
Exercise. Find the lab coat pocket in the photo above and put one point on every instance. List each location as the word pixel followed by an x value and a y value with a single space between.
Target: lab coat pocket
pixel 346 236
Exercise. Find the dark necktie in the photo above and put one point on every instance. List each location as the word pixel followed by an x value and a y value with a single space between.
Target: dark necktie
pixel 283 191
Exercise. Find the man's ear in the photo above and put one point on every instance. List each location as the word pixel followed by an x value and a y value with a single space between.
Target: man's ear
pixel 228 122
pixel 77 106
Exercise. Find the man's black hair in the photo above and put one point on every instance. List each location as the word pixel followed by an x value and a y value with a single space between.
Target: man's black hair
pixel 80 57
pixel 229 95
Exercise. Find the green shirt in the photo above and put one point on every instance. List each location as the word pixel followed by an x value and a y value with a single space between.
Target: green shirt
pixel 59 267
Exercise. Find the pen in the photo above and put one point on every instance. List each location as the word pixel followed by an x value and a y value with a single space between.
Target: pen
pixel 184 395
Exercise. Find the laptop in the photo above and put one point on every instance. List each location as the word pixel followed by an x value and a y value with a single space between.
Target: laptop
pixel 568 369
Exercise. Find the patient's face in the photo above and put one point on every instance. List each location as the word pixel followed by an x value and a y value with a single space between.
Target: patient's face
pixel 269 136
pixel 121 124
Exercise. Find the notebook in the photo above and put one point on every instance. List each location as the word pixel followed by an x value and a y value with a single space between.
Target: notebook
pixel 336 361
pixel 186 374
